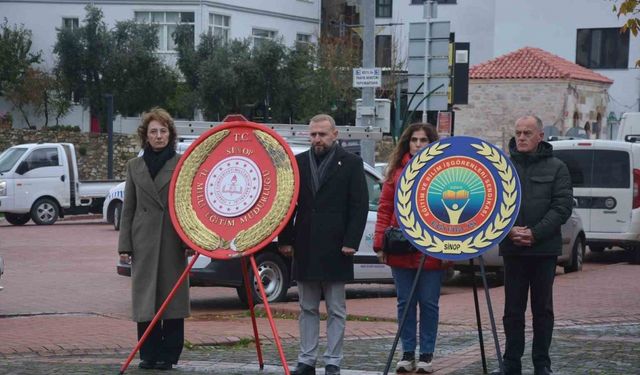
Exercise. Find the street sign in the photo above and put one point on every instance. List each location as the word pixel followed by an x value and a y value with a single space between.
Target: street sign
pixel 444 124
pixel 367 77
pixel 438 70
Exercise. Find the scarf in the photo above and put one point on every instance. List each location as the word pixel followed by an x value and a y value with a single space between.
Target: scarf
pixel 318 172
pixel 155 160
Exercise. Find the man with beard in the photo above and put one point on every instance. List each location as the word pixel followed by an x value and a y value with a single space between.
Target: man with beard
pixel 322 237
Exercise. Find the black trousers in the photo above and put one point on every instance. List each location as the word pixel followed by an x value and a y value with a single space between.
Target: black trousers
pixel 522 274
pixel 164 343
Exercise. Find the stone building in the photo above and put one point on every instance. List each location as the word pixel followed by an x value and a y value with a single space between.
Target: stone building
pixel 570 99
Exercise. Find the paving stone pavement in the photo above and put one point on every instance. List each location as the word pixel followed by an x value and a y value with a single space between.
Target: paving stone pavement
pixel 590 348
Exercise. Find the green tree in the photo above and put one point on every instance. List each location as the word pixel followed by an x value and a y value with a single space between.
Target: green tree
pixel 133 73
pixel 82 57
pixel 631 10
pixel 93 61
pixel 41 94
pixel 29 95
pixel 16 56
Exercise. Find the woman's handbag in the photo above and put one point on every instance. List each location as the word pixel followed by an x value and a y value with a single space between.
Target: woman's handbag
pixel 395 242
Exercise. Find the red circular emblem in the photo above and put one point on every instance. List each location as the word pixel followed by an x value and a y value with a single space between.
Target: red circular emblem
pixel 233 190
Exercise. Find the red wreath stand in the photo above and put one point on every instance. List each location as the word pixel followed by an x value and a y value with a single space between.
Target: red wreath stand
pixel 234 126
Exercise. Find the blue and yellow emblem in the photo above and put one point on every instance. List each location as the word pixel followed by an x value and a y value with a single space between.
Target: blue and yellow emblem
pixel 457 198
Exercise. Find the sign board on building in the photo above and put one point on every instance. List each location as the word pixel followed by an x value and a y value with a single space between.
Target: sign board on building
pixel 367 77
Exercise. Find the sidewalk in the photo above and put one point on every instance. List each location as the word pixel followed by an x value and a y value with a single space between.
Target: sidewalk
pixel 591 337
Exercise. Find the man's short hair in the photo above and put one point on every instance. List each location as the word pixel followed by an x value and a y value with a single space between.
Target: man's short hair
pixel 323 117
pixel 538 120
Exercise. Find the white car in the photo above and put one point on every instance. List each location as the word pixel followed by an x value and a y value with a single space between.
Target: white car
pixel 606 183
pixel 573 250
pixel 112 206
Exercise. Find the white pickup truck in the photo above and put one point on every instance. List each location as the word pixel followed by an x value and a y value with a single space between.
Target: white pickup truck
pixel 39 182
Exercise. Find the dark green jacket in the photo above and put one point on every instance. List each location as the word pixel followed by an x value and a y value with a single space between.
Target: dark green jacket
pixel 546 200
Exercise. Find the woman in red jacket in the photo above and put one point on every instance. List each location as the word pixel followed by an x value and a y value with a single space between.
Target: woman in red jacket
pixel 404 266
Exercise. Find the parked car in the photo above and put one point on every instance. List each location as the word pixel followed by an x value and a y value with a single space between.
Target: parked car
pixel 39 182
pixel 629 129
pixel 606 183
pixel 275 269
pixel 112 207
pixel 573 250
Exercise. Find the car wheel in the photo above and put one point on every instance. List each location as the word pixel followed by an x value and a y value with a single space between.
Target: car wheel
pixel 117 213
pixel 596 249
pixel 577 256
pixel 44 211
pixel 17 219
pixel 275 278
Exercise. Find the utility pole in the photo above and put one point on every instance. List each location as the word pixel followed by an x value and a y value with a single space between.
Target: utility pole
pixel 367 147
pixel 430 11
pixel 109 99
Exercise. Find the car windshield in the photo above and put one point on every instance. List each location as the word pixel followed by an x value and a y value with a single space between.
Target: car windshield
pixel 9 158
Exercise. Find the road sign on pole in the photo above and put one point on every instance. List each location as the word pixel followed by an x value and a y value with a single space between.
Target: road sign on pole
pixel 429 64
pixel 371 77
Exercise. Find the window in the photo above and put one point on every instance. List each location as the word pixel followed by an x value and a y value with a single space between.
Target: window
pixel 260 35
pixel 420 2
pixel 602 48
pixel 374 187
pixel 597 169
pixel 219 26
pixel 43 157
pixel 167 23
pixel 383 51
pixel 70 23
pixel 383 8
pixel 303 38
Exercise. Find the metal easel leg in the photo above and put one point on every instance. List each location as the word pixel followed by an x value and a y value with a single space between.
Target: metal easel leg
pixel 478 320
pixel 404 315
pixel 153 323
pixel 276 337
pixel 491 318
pixel 249 291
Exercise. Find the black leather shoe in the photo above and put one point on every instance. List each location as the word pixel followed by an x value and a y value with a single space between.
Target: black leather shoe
pixel 542 371
pixel 147 365
pixel 303 369
pixel 162 365
pixel 332 370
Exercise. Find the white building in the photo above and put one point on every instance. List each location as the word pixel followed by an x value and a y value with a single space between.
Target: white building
pixel 290 20
pixel 582 31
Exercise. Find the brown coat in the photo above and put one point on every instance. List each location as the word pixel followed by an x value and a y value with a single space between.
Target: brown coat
pixel 146 232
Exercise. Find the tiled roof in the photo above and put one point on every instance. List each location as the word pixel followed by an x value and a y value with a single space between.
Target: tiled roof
pixel 533 63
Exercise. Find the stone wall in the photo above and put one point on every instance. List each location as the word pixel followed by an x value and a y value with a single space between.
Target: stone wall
pixel 494 105
pixel 91 149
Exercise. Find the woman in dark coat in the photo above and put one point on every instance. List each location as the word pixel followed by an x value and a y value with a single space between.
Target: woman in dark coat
pixel 404 266
pixel 149 241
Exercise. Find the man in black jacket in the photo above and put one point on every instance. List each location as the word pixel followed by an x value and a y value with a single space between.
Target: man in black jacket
pixel 333 203
pixel 532 247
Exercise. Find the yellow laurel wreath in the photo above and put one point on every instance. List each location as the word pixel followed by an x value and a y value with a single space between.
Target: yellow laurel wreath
pixel 472 244
pixel 285 181
pixel 197 232
pixel 204 237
